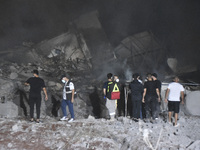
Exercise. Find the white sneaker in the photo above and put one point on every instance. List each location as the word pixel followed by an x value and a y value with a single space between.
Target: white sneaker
pixel 170 123
pixel 71 120
pixel 64 118
pixel 177 125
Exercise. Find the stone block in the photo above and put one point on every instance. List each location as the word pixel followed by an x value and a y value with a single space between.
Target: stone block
pixel 192 103
pixel 8 109
pixel 13 75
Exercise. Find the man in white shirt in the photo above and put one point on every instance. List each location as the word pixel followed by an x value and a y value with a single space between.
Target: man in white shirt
pixel 174 91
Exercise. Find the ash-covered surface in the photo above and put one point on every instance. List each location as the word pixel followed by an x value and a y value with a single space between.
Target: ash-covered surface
pixel 99 134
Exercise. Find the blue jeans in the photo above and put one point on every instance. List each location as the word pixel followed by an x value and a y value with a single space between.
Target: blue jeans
pixel 64 104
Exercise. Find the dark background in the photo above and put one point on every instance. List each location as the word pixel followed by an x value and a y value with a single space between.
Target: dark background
pixel 176 23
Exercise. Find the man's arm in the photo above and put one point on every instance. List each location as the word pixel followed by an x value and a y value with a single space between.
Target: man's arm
pixel 45 92
pixel 166 95
pixel 72 100
pixel 144 93
pixel 182 96
pixel 158 93
pixel 104 91
pixel 26 83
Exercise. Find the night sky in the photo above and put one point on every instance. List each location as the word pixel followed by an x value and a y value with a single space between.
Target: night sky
pixel 176 23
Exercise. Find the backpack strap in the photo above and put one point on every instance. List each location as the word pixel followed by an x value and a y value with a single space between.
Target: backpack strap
pixel 116 88
pixel 108 87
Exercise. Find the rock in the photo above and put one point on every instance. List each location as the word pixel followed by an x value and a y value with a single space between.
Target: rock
pixel 194 146
pixel 91 117
pixel 58 86
pixel 13 75
pixel 51 83
pixel 192 103
pixel 13 69
pixel 8 109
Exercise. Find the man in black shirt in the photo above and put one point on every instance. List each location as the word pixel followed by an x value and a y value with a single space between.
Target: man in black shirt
pixel 150 96
pixel 158 84
pixel 136 96
pixel 36 85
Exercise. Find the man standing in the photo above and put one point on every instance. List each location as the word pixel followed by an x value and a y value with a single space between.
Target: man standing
pixel 172 96
pixel 110 104
pixel 158 84
pixel 36 84
pixel 68 98
pixel 150 97
pixel 136 96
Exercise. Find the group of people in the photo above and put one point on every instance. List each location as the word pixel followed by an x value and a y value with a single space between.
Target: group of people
pixel 148 94
pixel 37 84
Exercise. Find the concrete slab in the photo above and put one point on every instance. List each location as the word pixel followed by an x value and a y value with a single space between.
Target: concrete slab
pixel 8 109
pixel 193 103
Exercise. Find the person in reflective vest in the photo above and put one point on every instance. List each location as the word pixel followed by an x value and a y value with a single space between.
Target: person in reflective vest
pixel 68 98
pixel 110 103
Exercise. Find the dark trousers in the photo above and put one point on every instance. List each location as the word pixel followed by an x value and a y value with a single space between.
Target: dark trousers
pixel 33 101
pixel 136 107
pixel 150 106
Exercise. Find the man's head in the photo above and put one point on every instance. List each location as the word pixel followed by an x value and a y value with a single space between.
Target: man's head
pixel 149 77
pixel 154 76
pixel 116 78
pixel 136 76
pixel 65 77
pixel 176 79
pixel 109 75
pixel 35 72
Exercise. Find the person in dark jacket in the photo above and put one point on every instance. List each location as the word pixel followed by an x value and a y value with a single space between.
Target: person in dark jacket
pixel 137 89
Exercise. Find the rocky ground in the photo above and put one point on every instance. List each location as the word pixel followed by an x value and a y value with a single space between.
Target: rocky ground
pixel 99 134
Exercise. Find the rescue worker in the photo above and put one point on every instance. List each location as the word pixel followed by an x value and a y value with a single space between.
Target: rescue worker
pixel 110 104
pixel 68 98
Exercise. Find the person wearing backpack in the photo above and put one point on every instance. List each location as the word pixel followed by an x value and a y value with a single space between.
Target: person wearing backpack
pixel 68 98
pixel 108 88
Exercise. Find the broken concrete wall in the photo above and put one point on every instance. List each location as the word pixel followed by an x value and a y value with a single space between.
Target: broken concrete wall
pixel 90 27
pixel 142 52
pixel 20 55
pixel 67 47
pixel 178 68
pixel 193 102
pixel 9 110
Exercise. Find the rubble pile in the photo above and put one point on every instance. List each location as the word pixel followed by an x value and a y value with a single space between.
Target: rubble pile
pixel 91 133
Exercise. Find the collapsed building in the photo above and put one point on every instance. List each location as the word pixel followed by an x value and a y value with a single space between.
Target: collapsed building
pixel 87 55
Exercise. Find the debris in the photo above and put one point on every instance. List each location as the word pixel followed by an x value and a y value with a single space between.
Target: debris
pixel 192 103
